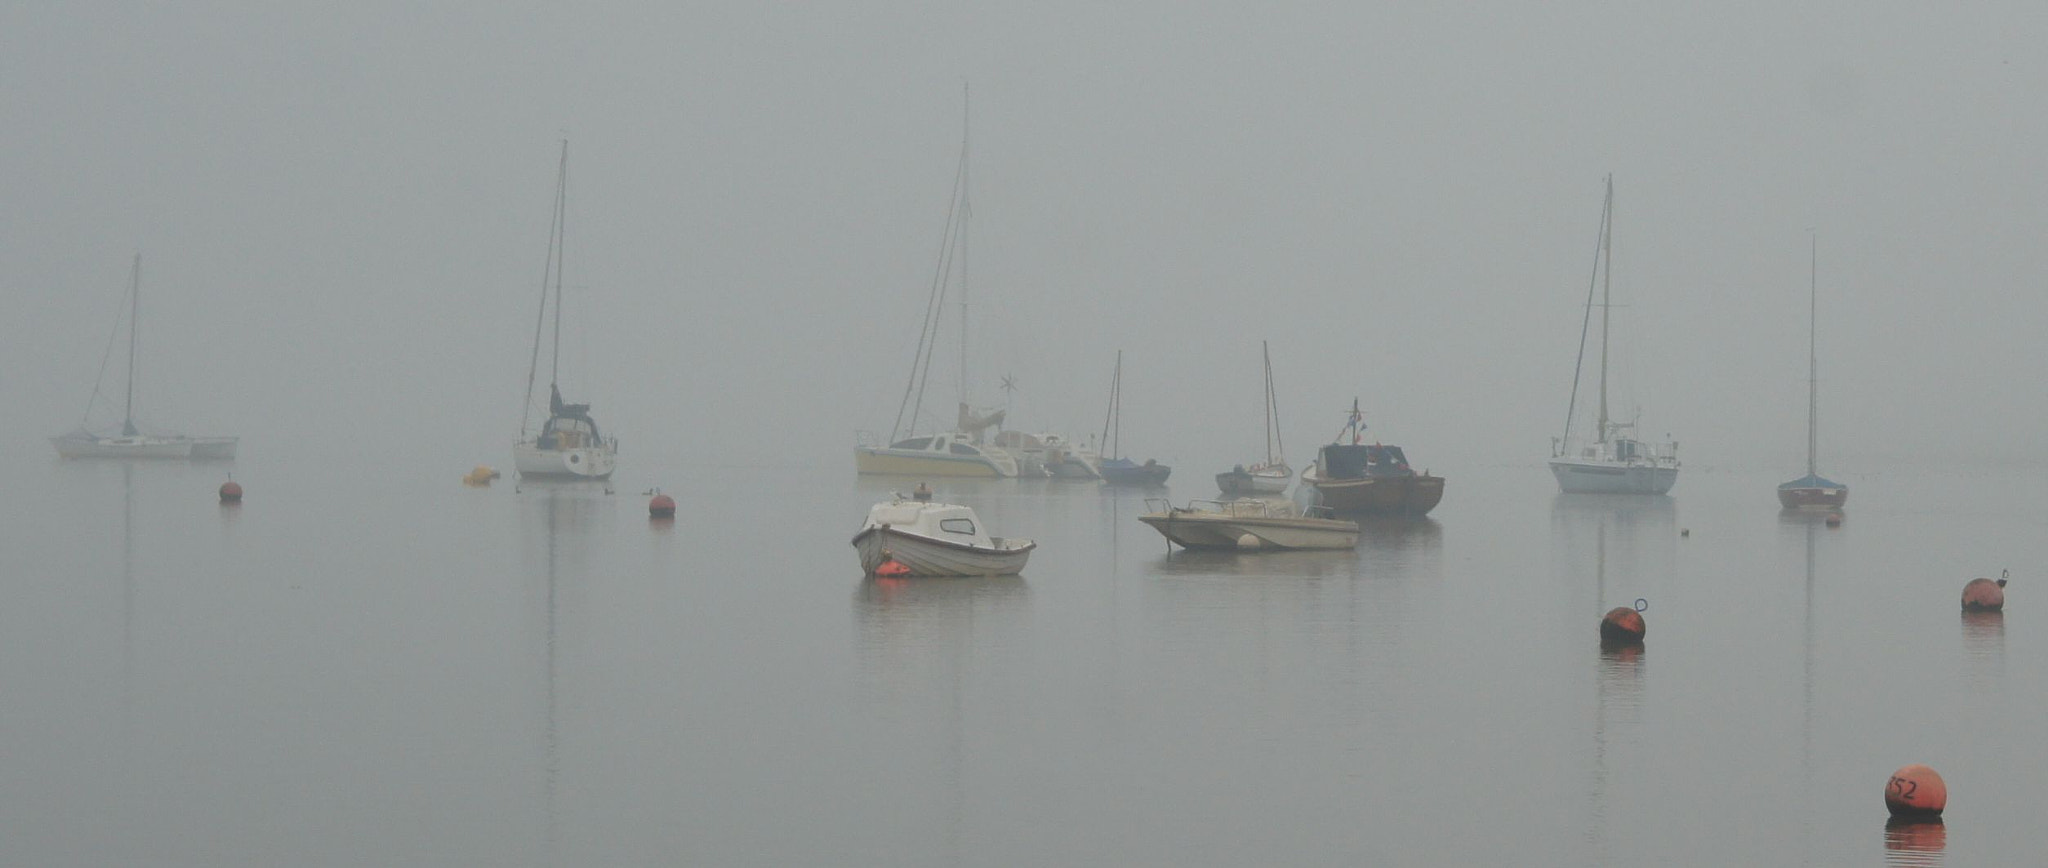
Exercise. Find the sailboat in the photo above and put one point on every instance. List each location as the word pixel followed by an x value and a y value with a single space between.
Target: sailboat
pixel 1272 475
pixel 130 441
pixel 568 445
pixel 1116 469
pixel 1614 462
pixel 959 452
pixel 1813 491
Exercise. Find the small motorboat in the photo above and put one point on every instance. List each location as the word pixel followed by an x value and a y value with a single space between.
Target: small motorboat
pixel 935 539
pixel 1249 523
pixel 1361 478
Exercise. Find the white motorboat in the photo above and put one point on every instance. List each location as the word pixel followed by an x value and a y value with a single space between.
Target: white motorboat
pixel 569 444
pixel 1249 523
pixel 1272 475
pixel 1614 462
pixel 131 441
pixel 936 539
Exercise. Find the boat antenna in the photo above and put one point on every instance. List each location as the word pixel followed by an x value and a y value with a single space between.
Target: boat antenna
pixel 549 270
pixel 1813 355
pixel 134 317
pixel 1586 325
pixel 1606 299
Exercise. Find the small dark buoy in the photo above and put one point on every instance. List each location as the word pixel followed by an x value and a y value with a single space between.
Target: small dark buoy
pixel 230 492
pixel 1685 532
pixel 1622 625
pixel 1834 519
pixel 1915 792
pixel 661 506
pixel 923 493
pixel 1985 595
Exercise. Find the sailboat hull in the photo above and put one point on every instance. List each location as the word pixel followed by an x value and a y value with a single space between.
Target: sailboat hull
pixel 881 461
pixel 1813 498
pixel 1579 477
pixel 580 463
pixel 122 447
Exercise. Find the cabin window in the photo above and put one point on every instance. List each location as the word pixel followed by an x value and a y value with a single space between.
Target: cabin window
pixel 964 449
pixel 917 443
pixel 957 525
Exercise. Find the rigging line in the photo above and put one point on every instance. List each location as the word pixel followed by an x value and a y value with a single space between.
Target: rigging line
pixel 105 357
pixel 942 279
pixel 540 317
pixel 927 334
pixel 134 315
pixel 1586 325
pixel 1273 404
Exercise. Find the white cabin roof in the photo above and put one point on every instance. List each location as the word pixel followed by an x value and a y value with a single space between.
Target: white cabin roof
pixel 941 521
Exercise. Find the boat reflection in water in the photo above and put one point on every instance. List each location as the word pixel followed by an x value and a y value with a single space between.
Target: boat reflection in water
pixel 560 516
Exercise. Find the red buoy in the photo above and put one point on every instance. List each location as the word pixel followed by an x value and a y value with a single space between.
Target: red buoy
pixel 230 492
pixel 1984 595
pixel 1622 626
pixel 1915 792
pixel 662 506
pixel 891 569
pixel 1834 519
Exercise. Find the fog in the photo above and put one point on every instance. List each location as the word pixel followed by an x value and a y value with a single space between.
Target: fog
pixel 342 211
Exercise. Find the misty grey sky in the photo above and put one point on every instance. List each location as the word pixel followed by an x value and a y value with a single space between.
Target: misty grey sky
pixel 342 210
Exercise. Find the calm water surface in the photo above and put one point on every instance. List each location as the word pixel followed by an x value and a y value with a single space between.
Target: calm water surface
pixel 353 670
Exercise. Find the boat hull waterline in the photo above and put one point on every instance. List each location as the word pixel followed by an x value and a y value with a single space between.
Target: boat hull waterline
pixel 586 462
pixel 1205 530
pixel 122 447
pixel 1813 498
pixel 931 558
pixel 1575 477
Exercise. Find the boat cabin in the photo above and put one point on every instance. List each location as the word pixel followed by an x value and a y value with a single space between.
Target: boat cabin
pixel 946 522
pixel 568 432
pixel 1346 461
pixel 943 444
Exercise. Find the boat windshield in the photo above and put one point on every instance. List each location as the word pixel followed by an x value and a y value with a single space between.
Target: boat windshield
pixel 568 432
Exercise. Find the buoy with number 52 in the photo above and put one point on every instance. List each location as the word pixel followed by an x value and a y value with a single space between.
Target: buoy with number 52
pixel 1915 792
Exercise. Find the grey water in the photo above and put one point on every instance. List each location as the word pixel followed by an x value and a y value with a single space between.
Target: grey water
pixel 351 669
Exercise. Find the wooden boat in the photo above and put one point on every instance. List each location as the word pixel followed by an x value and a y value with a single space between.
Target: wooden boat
pixel 568 445
pixel 1362 478
pixel 1248 523
pixel 1272 475
pixel 1813 491
pixel 936 539
pixel 1116 469
pixel 1614 462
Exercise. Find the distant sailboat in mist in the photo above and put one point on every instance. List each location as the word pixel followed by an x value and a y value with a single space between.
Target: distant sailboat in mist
pixel 1813 491
pixel 1614 461
pixel 568 445
pixel 131 441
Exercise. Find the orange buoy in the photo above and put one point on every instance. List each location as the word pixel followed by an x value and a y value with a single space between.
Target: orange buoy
pixel 892 568
pixel 1915 792
pixel 661 506
pixel 1834 519
pixel 230 492
pixel 1984 595
pixel 1623 625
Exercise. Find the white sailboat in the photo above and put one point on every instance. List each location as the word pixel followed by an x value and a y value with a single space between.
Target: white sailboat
pixel 961 451
pixel 1272 475
pixel 130 441
pixel 1614 461
pixel 568 445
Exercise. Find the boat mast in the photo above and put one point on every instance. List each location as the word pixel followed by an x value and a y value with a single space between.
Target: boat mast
pixel 549 270
pixel 1112 417
pixel 1813 357
pixel 1606 298
pixel 965 212
pixel 134 321
pixel 561 253
pixel 1272 408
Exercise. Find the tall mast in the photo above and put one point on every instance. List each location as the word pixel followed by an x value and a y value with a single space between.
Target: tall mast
pixel 1113 418
pixel 1813 358
pixel 1606 298
pixel 561 253
pixel 965 212
pixel 549 272
pixel 1272 411
pixel 134 321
